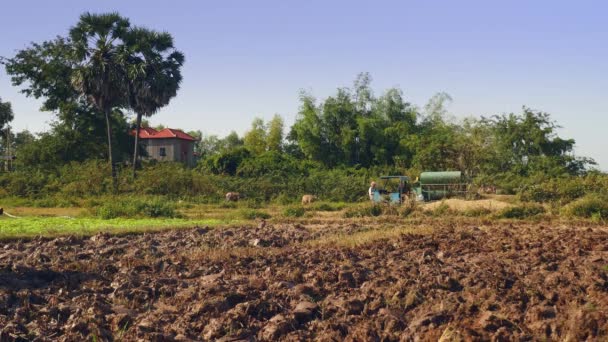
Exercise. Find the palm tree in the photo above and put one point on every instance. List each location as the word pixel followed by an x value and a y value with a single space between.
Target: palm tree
pixel 100 72
pixel 154 75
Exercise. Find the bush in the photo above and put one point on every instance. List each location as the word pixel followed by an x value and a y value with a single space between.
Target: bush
pixel 156 208
pixel 294 212
pixel 364 211
pixel 590 206
pixel 136 208
pixel 562 190
pixel 325 206
pixel 407 208
pixel 252 214
pixel 228 205
pixel 521 211
pixel 441 210
pixel 477 212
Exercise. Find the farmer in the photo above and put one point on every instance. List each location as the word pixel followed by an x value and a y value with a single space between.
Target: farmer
pixel 371 191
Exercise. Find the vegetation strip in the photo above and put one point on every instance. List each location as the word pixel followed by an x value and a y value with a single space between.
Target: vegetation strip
pixel 48 226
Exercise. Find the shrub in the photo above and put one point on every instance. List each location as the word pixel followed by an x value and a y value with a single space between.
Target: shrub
pixel 562 190
pixel 521 211
pixel 325 206
pixel 253 204
pixel 112 210
pixel 228 205
pixel 407 209
pixel 590 206
pixel 294 211
pixel 136 208
pixel 252 214
pixel 364 211
pixel 156 208
pixel 441 210
pixel 477 212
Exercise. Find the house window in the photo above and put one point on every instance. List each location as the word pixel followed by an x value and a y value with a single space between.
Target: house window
pixel 163 152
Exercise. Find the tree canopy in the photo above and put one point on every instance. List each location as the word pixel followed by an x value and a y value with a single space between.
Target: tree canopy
pixel 6 114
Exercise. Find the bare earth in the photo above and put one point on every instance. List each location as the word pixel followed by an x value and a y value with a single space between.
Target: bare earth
pixel 463 205
pixel 522 282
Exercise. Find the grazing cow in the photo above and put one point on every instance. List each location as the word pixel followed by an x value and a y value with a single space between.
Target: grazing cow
pixel 232 196
pixel 488 189
pixel 307 199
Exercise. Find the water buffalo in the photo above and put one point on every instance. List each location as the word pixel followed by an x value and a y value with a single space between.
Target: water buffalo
pixel 307 199
pixel 233 196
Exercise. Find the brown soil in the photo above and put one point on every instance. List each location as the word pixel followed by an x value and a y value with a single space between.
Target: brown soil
pixel 464 205
pixel 523 282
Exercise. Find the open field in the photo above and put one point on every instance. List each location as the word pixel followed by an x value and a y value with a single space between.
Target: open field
pixel 320 278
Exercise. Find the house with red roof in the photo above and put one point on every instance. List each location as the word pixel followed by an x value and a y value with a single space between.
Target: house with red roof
pixel 167 145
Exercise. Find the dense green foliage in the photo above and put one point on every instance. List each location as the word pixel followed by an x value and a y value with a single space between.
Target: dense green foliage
pixel 591 206
pixel 92 178
pixel 106 67
pixel 136 208
pixel 89 79
pixel 521 211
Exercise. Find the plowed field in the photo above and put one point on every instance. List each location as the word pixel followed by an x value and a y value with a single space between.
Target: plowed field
pixel 297 282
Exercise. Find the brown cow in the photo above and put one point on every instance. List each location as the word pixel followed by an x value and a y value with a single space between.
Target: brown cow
pixel 233 196
pixel 307 199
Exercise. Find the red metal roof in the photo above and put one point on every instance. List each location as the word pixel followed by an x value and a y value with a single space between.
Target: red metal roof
pixel 167 133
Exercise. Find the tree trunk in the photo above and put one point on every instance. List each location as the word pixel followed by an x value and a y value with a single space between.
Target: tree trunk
pixel 110 154
pixel 136 150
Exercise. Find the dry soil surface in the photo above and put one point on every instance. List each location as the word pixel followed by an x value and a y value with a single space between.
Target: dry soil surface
pixel 503 282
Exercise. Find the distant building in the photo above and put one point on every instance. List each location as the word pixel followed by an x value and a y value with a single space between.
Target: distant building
pixel 167 145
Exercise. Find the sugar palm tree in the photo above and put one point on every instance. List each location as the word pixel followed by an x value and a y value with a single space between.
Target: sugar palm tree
pixel 100 71
pixel 154 75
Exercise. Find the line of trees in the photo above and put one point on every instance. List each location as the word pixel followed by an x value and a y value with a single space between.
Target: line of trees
pixel 105 68
pixel 354 128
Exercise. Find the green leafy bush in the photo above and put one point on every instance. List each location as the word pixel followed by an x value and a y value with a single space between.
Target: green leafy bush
pixel 590 206
pixel 327 206
pixel 228 205
pixel 136 208
pixel 477 212
pixel 294 211
pixel 364 211
pixel 521 211
pixel 252 214
pixel 562 190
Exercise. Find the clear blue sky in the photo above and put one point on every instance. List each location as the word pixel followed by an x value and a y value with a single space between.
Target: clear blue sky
pixel 250 58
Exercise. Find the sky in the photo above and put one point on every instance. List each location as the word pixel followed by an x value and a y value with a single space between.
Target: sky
pixel 251 58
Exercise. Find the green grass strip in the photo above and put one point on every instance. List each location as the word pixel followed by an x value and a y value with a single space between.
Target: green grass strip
pixel 56 226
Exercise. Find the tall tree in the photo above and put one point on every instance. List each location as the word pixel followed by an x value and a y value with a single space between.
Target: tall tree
pixel 6 116
pixel 255 138
pixel 44 71
pixel 6 113
pixel 274 139
pixel 154 75
pixel 100 75
pixel 363 95
pixel 306 131
pixel 231 141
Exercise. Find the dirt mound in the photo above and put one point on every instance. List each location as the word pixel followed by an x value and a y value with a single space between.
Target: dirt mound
pixel 458 204
pixel 459 283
